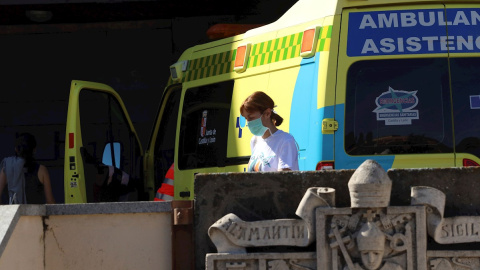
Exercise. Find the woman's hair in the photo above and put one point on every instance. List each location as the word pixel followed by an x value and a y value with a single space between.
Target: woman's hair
pixel 259 101
pixel 25 145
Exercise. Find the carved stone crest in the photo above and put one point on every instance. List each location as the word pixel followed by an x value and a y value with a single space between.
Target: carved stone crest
pixel 369 235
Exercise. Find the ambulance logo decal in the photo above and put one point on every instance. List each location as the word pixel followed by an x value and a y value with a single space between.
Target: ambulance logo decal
pixel 203 124
pixel 395 107
pixel 241 124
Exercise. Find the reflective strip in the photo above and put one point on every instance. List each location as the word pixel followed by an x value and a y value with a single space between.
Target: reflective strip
pixel 166 189
pixel 165 192
pixel 168 181
pixel 164 197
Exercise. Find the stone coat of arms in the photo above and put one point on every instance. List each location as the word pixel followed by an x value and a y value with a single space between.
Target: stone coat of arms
pixel 369 235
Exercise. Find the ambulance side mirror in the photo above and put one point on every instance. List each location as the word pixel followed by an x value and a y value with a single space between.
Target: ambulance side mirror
pixel 107 154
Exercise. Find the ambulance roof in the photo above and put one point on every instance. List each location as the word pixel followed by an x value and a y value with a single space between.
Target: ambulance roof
pixel 301 12
pixel 309 10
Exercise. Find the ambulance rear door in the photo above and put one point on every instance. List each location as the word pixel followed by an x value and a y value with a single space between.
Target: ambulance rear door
pixel 99 134
pixel 393 99
pixel 203 134
pixel 464 51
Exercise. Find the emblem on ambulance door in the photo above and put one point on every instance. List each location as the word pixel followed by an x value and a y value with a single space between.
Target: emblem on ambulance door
pixel 395 107
pixel 203 124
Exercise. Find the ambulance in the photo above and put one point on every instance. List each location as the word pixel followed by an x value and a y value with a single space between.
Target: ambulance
pixel 395 81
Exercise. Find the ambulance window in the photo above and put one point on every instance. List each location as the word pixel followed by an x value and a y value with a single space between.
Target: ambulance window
pixel 103 121
pixel 165 141
pixel 398 107
pixel 466 104
pixel 204 128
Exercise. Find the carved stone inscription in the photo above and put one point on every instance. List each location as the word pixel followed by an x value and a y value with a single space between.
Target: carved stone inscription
pixel 233 231
pixel 255 231
pixel 460 228
pixel 265 261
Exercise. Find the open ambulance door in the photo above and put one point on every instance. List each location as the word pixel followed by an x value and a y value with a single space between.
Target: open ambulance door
pixel 160 153
pixel 464 58
pixel 103 155
pixel 393 93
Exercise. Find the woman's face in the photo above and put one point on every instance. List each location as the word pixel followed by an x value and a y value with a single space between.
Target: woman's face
pixel 252 116
pixel 257 114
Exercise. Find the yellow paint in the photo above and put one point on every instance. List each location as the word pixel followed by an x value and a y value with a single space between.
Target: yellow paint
pixel 280 89
pixel 423 160
pixel 459 157
pixel 74 180
pixel 238 147
pixel 326 68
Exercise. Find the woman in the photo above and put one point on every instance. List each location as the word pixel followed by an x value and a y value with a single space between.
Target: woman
pixel 28 181
pixel 272 149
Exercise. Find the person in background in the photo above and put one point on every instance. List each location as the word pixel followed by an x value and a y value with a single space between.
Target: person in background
pixel 272 148
pixel 27 181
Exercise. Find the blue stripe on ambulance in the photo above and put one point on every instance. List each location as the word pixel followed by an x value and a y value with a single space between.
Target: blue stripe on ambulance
pixel 306 119
pixel 344 161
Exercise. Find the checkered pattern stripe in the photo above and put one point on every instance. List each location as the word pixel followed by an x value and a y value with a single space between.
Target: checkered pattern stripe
pixel 211 65
pixel 263 53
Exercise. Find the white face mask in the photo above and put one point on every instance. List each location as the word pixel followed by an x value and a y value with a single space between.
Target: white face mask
pixel 256 126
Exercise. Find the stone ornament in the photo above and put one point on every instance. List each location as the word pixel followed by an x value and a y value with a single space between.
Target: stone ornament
pixel 445 230
pixel 230 234
pixel 370 186
pixel 371 238
pixel 369 235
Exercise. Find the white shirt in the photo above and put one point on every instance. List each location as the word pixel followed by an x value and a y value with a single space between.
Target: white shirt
pixel 278 151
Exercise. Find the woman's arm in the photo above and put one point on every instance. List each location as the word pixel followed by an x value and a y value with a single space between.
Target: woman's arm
pixel 288 156
pixel 44 178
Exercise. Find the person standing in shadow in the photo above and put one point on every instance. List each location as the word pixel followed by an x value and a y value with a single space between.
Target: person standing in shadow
pixel 28 182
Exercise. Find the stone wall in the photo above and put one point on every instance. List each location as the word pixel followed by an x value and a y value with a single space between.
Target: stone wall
pixel 263 196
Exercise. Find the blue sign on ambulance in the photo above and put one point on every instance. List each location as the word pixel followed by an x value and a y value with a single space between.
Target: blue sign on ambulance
pixel 475 102
pixel 420 31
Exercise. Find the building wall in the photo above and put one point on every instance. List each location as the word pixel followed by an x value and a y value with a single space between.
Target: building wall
pixel 118 241
pixel 25 249
pixel 91 236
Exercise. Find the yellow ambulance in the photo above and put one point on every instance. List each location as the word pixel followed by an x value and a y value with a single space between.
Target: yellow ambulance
pixel 395 81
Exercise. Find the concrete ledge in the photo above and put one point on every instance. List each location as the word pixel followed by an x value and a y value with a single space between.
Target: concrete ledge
pixel 107 208
pixel 32 210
